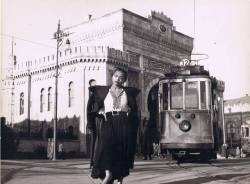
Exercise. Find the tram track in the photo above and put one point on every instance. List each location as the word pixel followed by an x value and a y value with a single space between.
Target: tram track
pixel 192 172
pixel 206 176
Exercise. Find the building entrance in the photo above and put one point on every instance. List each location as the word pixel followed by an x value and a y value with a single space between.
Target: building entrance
pixel 153 110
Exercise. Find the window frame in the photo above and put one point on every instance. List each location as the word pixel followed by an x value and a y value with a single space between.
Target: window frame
pixel 21 101
pixel 49 99
pixel 246 127
pixel 42 100
pixel 71 94
pixel 184 81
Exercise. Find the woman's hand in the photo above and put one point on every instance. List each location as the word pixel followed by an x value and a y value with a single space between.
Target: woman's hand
pixel 101 112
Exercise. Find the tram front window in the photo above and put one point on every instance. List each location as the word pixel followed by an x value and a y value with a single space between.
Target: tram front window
pixel 165 96
pixel 176 92
pixel 191 95
pixel 203 95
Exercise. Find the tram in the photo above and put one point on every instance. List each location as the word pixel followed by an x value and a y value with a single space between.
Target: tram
pixel 190 113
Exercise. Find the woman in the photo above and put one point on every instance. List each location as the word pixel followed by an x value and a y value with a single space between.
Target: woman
pixel 112 117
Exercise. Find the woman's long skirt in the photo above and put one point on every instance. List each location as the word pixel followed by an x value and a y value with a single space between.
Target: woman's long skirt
pixel 111 151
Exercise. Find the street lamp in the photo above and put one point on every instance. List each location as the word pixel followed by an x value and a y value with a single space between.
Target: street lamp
pixel 58 35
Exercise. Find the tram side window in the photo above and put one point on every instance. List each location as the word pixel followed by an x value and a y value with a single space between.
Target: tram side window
pixel 191 96
pixel 176 98
pixel 203 94
pixel 165 96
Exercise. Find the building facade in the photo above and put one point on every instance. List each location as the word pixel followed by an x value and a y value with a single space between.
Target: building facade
pixel 237 122
pixel 145 47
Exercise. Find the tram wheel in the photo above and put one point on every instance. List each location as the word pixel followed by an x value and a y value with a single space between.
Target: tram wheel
pixel 205 156
pixel 174 156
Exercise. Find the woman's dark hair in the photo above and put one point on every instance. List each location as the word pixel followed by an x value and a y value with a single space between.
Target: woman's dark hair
pixel 121 70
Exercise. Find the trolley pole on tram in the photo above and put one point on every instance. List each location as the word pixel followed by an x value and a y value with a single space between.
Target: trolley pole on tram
pixel 58 35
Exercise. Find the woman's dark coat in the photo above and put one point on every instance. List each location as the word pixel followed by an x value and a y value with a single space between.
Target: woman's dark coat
pixel 94 120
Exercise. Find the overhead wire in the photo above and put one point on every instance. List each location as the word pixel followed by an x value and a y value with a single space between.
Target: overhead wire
pixel 30 41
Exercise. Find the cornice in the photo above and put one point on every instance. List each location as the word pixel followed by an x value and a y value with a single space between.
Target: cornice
pixel 86 55
pixel 156 37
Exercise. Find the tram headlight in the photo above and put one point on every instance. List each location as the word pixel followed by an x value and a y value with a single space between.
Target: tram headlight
pixel 185 125
pixel 192 116
pixel 177 115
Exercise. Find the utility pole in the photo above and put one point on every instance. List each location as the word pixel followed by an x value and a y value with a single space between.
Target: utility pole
pixel 13 63
pixel 29 93
pixel 58 35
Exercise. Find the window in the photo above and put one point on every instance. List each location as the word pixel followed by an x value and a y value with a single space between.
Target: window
pixel 71 94
pixel 165 96
pixel 203 95
pixel 231 127
pixel 191 95
pixel 42 100
pixel 176 90
pixel 245 132
pixel 21 109
pixel 49 98
pixel 186 94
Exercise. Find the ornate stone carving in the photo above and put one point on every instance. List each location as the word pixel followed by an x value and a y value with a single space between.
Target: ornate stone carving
pixel 148 77
pixel 151 47
pixel 160 16
pixel 157 66
pixel 177 40
pixel 133 59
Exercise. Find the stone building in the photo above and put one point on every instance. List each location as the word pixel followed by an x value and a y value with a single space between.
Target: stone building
pixel 146 47
pixel 237 121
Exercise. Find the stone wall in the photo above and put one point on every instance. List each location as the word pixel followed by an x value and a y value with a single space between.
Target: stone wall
pixel 33 145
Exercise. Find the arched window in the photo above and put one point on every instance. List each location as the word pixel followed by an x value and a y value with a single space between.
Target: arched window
pixel 231 127
pixel 42 100
pixel 71 94
pixel 21 109
pixel 49 98
pixel 231 131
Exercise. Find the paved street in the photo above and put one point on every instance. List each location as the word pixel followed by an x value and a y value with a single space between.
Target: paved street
pixel 158 171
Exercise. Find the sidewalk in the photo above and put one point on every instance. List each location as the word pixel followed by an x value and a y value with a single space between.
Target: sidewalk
pixel 46 172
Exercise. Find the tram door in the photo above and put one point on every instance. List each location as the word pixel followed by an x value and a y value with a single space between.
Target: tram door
pixel 153 111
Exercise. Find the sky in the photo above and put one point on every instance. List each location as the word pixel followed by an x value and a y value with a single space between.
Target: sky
pixel 221 29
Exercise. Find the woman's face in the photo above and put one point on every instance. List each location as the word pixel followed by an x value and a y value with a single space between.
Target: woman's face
pixel 118 78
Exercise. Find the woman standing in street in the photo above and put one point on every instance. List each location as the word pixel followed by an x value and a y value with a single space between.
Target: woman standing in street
pixel 112 115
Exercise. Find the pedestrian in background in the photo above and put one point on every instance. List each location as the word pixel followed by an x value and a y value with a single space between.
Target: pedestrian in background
pixel 147 143
pixel 61 151
pixel 91 121
pixel 50 149
pixel 112 115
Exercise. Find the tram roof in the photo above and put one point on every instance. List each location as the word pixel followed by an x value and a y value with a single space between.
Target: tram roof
pixel 189 70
